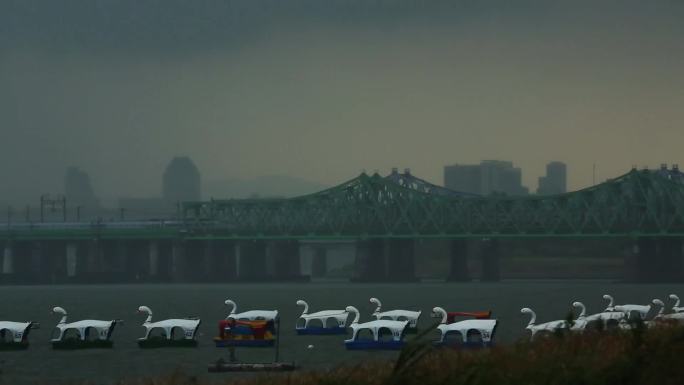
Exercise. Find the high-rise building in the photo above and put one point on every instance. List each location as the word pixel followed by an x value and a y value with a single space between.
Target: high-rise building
pixel 488 177
pixel 78 189
pixel 181 181
pixel 555 180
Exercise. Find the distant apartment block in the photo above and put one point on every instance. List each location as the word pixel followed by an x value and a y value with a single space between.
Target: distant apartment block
pixel 488 177
pixel 555 180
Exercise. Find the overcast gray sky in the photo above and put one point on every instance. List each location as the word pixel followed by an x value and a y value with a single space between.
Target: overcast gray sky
pixel 321 89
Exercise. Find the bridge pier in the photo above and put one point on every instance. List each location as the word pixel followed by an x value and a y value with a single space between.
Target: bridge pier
pixel 179 265
pixel 655 260
pixel 252 261
pixel 7 260
pixel 490 250
pixel 319 263
pixel 53 258
pixel 370 261
pixel 221 261
pixel 458 256
pixel 286 260
pixel 400 260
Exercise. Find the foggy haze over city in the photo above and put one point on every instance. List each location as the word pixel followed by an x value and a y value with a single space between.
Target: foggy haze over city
pixel 322 91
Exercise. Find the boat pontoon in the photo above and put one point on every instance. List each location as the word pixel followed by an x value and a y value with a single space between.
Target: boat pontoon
pixel 385 334
pixel 396 315
pixel 89 333
pixel 471 333
pixel 175 332
pixel 320 321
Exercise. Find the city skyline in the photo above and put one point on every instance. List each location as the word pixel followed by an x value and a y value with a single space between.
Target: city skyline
pixel 584 83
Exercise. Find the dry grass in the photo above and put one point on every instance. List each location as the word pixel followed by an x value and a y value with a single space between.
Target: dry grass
pixel 633 357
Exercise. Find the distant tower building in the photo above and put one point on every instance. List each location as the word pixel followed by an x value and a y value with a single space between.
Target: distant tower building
pixel 555 181
pixel 488 177
pixel 181 181
pixel 78 190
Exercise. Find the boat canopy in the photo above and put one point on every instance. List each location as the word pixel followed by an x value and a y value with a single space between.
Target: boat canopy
pixel 17 330
pixel 484 327
pixel 189 327
pixel 395 327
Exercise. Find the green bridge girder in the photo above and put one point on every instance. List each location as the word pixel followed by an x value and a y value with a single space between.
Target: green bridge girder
pixel 639 203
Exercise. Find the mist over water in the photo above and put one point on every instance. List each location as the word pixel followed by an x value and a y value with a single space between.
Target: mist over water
pixel 322 90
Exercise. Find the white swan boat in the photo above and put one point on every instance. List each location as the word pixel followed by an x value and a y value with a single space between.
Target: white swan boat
pixel 14 335
pixel 546 327
pixel 676 308
pixel 579 323
pixel 253 328
pixel 467 330
pixel 378 329
pixel 609 317
pixel 251 315
pixel 321 320
pixel 396 315
pixel 628 309
pixel 89 333
pixel 175 332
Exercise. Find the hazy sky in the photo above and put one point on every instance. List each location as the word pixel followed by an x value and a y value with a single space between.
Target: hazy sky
pixel 321 89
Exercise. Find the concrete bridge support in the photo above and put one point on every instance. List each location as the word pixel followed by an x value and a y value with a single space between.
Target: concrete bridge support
pixel 53 261
pixel 8 260
pixel 252 261
pixel 490 250
pixel 319 263
pixel 400 260
pixel 370 264
pixel 221 261
pixel 458 255
pixel 655 260
pixel 179 262
pixel 286 260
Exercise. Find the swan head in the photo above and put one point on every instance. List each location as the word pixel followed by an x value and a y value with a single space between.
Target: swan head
pixel 144 309
pixel 351 309
pixel 375 301
pixel 673 296
pixel 577 304
pixel 526 310
pixel 658 302
pixel 58 310
pixel 301 303
pixel 607 297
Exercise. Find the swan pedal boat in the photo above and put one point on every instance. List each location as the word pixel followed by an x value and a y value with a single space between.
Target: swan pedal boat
pixel 534 327
pixel 377 328
pixel 101 339
pixel 397 315
pixel 188 326
pixel 253 328
pixel 339 316
pixel 14 335
pixel 486 328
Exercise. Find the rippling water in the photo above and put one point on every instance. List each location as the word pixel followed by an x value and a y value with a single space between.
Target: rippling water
pixel 38 364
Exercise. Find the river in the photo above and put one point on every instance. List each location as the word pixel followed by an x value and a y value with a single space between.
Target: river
pixel 40 364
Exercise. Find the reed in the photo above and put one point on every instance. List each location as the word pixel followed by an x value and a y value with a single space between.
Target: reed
pixel 638 356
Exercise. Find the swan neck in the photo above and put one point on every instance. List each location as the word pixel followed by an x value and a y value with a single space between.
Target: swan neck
pixel 306 308
pixel 442 313
pixel 533 318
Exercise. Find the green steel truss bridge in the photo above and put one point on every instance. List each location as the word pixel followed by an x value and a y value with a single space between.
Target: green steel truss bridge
pixel 640 203
pixel 637 204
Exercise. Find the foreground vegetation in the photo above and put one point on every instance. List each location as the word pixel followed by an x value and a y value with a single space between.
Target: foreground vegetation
pixel 631 357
